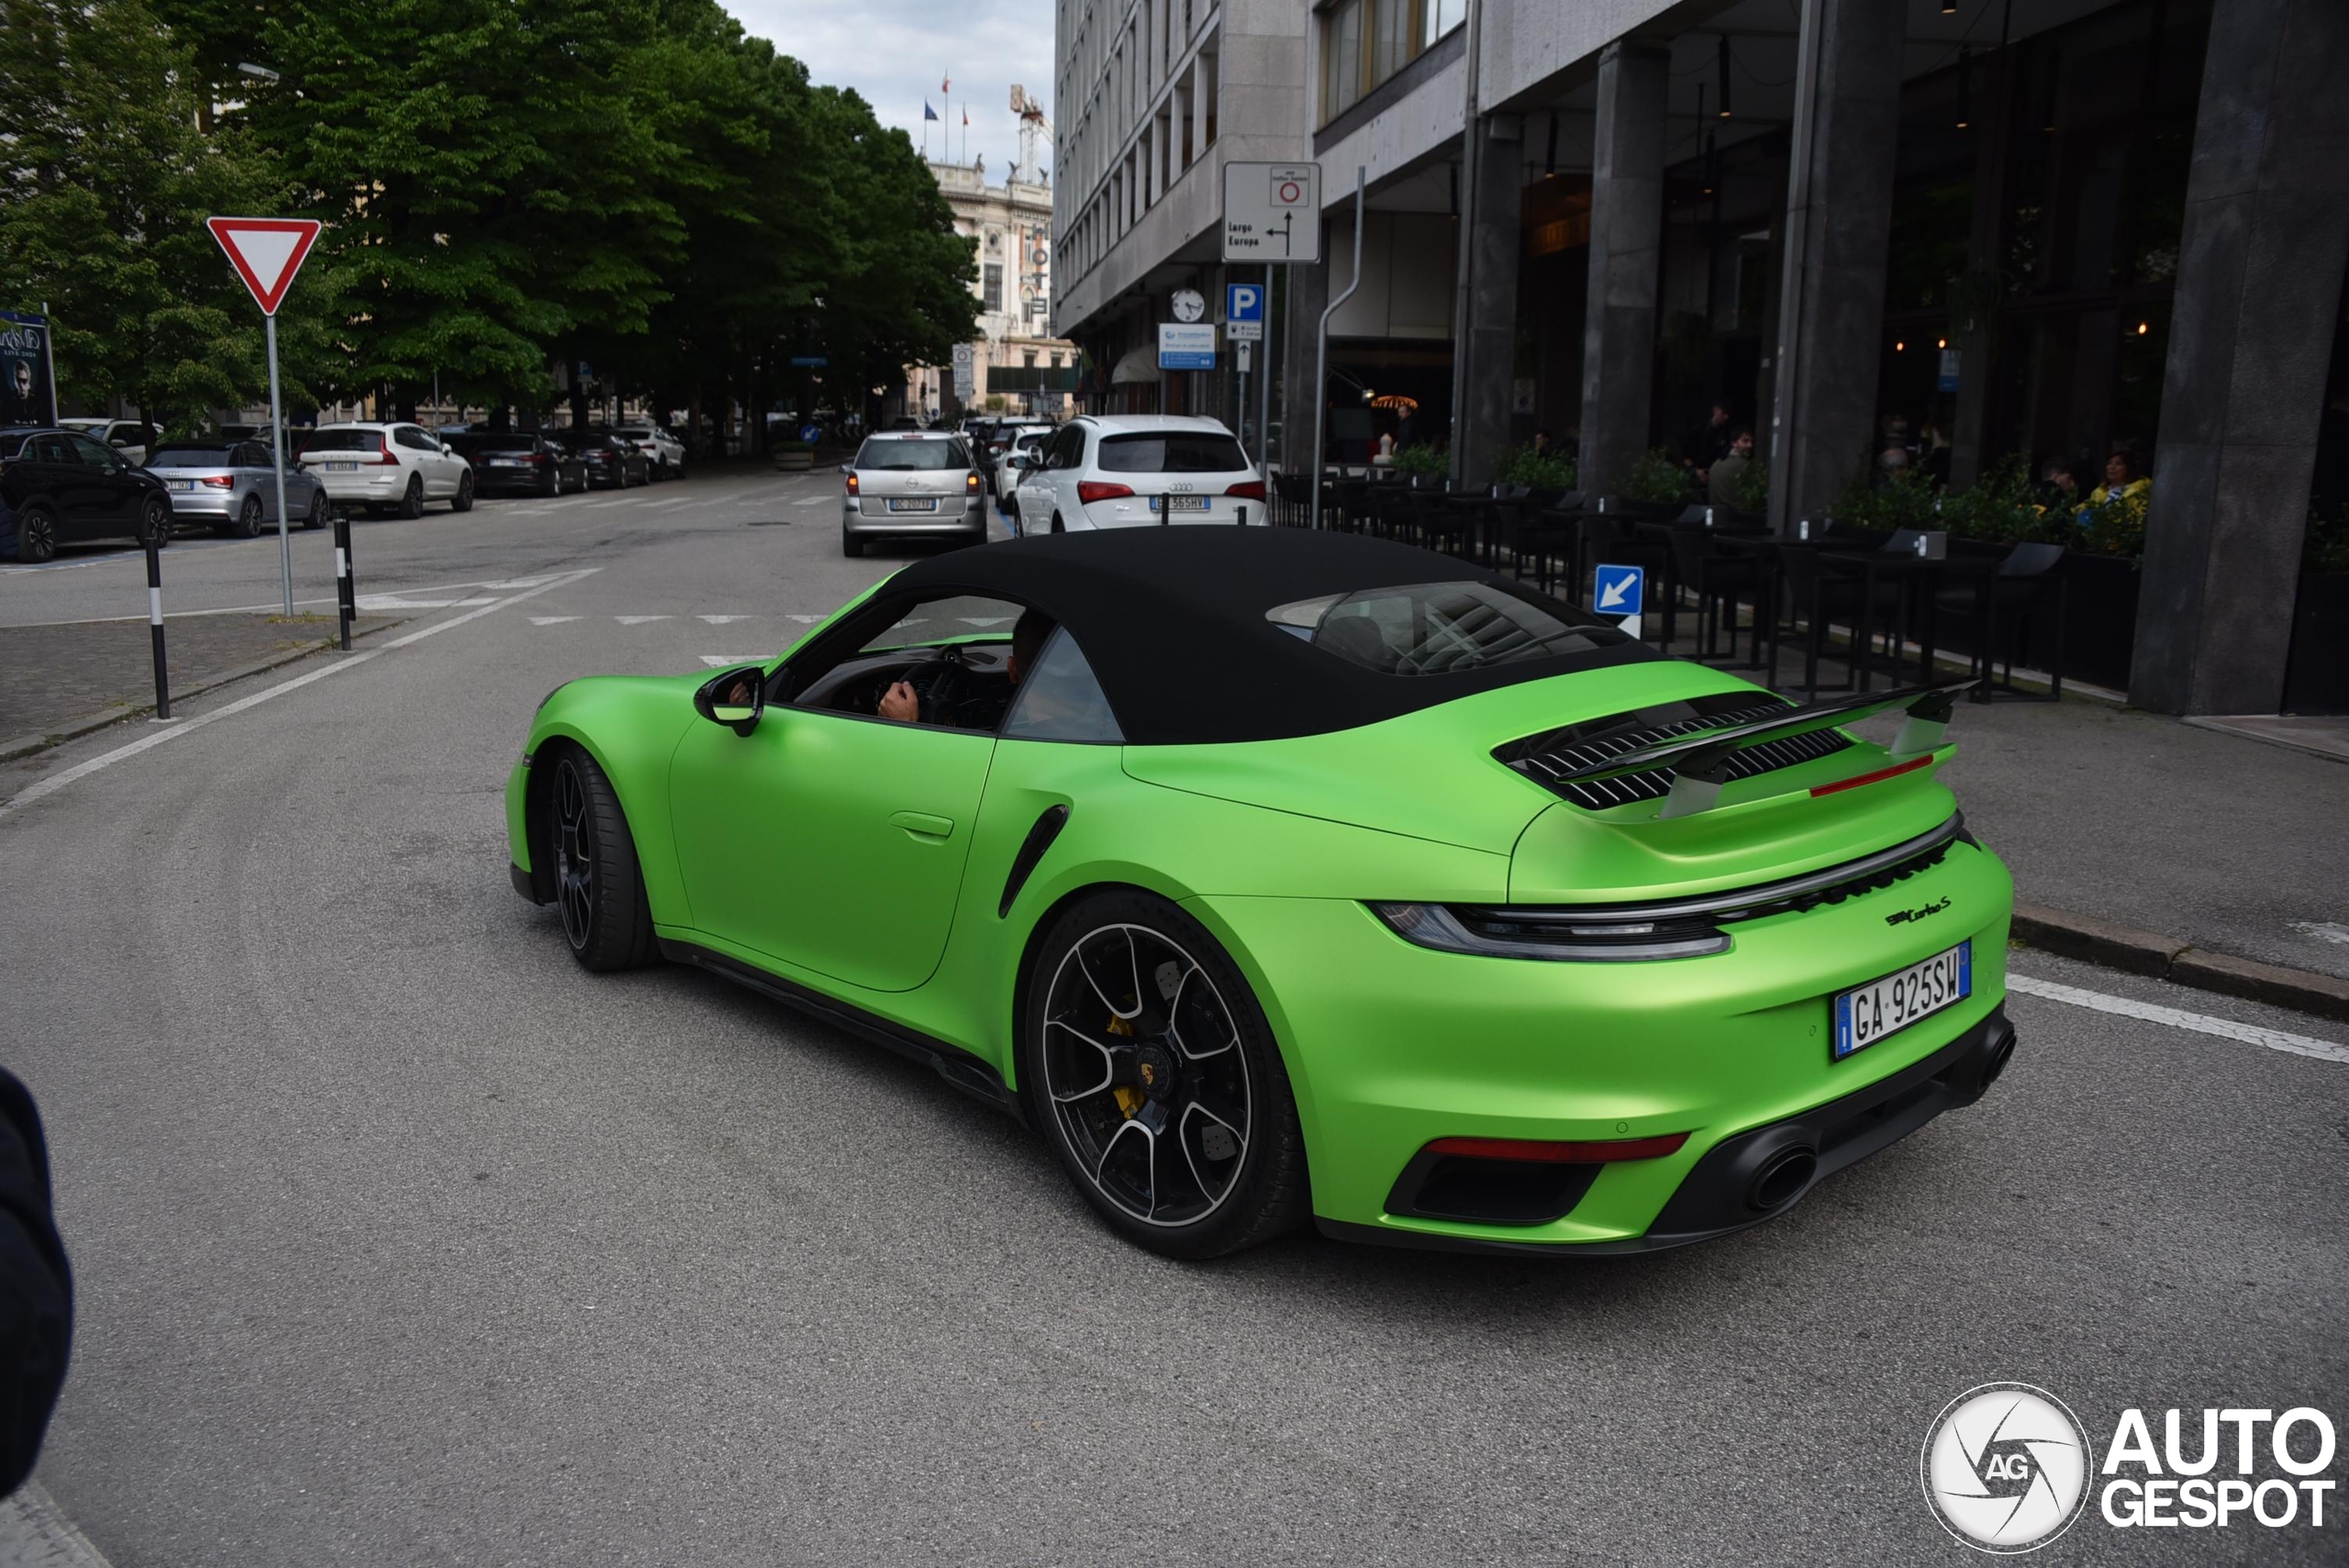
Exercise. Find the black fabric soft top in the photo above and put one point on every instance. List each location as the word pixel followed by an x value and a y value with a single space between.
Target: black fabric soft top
pixel 1171 619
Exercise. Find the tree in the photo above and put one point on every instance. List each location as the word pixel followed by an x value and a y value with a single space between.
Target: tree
pixel 103 198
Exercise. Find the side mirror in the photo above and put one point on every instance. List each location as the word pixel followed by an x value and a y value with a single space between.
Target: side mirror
pixel 848 468
pixel 720 698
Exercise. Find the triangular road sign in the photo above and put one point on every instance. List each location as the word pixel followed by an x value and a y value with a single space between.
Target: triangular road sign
pixel 266 252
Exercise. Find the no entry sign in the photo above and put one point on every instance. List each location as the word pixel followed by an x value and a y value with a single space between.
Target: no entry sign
pixel 266 252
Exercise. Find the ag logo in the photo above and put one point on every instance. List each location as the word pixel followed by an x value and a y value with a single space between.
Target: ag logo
pixel 2006 1467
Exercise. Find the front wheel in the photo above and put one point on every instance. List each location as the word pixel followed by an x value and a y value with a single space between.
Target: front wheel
pixel 1153 1074
pixel 35 534
pixel 598 885
pixel 463 499
pixel 155 523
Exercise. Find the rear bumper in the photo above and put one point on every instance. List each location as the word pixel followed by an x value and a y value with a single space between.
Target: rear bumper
pixel 968 518
pixel 381 485
pixel 206 502
pixel 489 480
pixel 1725 1192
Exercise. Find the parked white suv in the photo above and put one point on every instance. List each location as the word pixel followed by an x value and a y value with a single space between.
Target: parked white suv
pixel 387 467
pixel 1138 471
pixel 663 451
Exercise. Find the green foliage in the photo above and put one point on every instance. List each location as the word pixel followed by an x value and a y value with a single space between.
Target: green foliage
pixel 1904 500
pixel 1749 491
pixel 1537 471
pixel 1658 476
pixel 1421 458
pixel 103 197
pixel 1998 506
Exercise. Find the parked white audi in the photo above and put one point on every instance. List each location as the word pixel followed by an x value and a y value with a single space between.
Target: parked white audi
pixel 387 467
pixel 1137 470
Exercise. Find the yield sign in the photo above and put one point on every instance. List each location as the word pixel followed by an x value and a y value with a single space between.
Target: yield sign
pixel 266 252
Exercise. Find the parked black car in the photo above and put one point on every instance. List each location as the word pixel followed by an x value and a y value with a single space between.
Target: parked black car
pixel 527 465
pixel 611 462
pixel 60 487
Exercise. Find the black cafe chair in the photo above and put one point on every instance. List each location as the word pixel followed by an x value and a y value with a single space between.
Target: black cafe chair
pixel 2011 593
pixel 1720 580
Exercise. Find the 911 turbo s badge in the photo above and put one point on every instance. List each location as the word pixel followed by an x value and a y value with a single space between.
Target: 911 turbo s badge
pixel 1903 917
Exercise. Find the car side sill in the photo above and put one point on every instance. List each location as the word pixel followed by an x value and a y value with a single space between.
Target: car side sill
pixel 952 1063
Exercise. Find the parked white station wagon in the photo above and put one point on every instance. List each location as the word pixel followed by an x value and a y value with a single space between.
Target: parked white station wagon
pixel 1137 470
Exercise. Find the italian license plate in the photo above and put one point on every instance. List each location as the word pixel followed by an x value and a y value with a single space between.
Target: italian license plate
pixel 1178 503
pixel 1887 1006
pixel 182 483
pixel 896 505
pixel 342 468
pixel 505 463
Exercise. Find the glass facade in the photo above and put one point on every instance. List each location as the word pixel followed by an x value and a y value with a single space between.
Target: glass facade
pixel 1363 42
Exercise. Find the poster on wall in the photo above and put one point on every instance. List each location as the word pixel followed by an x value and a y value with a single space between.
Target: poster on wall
pixel 28 384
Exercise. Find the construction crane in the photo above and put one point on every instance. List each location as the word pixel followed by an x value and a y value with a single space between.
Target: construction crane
pixel 1034 131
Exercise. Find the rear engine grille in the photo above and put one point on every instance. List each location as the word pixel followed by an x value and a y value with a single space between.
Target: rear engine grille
pixel 1569 750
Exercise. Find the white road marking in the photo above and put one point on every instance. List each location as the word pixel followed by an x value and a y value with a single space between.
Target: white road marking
pixel 805 620
pixel 56 782
pixel 2201 1023
pixel 721 620
pixel 399 601
pixel 616 501
pixel 639 621
pixel 522 511
pixel 720 660
pixel 66 565
pixel 551 621
pixel 677 501
pixel 812 501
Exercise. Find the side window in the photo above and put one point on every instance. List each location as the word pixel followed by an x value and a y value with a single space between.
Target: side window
pixel 50 448
pixel 1060 700
pixel 409 436
pixel 954 652
pixel 251 456
pixel 88 452
pixel 1065 450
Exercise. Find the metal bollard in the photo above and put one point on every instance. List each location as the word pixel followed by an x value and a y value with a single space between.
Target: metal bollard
pixel 155 626
pixel 346 594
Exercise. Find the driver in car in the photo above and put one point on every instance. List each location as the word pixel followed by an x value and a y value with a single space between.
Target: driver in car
pixel 901 703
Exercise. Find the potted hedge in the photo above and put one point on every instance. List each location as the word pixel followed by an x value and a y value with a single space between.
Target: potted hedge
pixel 793 456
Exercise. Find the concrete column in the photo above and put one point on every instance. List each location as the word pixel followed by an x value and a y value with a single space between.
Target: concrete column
pixel 2259 274
pixel 1300 321
pixel 1486 341
pixel 1626 255
pixel 1838 227
pixel 1970 437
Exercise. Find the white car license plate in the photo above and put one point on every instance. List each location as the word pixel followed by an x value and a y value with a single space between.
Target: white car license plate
pixel 1178 503
pixel 342 468
pixel 505 463
pixel 1887 1006
pixel 182 483
pixel 899 505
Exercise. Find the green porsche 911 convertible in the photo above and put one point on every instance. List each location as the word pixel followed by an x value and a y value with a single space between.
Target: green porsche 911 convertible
pixel 1270 873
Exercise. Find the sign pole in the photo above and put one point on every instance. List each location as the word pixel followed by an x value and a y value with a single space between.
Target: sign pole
pixel 346 589
pixel 277 461
pixel 155 623
pixel 1264 386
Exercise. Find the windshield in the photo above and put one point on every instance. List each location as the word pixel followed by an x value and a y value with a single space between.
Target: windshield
pixel 1172 452
pixel 190 457
pixel 1436 628
pixel 913 456
pixel 343 441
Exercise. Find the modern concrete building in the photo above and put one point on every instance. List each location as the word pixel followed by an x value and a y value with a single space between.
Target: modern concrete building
pixel 1016 357
pixel 2006 231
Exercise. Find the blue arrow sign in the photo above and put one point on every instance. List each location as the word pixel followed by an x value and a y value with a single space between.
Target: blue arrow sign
pixel 1617 590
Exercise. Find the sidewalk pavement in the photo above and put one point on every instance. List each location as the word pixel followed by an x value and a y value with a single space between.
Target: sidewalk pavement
pixel 2145 842
pixel 65 680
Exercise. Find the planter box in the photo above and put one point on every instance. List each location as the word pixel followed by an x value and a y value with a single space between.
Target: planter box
pixel 2316 674
pixel 793 462
pixel 2099 621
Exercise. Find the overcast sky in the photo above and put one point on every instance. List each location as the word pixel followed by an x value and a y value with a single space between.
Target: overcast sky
pixel 896 52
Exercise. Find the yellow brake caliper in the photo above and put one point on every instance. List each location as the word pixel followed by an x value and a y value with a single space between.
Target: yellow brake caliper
pixel 1129 1098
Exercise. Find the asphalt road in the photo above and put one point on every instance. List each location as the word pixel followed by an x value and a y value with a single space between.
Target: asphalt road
pixel 402 1240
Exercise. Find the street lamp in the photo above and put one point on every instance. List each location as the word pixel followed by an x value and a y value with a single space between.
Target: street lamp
pixel 261 73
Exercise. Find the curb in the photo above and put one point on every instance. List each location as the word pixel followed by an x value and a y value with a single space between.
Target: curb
pixel 25 746
pixel 2114 946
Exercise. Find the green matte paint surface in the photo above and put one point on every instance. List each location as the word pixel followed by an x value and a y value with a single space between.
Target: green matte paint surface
pixel 812 849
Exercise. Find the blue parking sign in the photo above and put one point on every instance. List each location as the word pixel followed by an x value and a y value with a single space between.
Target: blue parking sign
pixel 1617 590
pixel 1243 302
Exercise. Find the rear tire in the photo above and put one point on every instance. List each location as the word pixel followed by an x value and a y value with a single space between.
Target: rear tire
pixel 599 883
pixel 851 546
pixel 247 524
pixel 1137 1018
pixel 316 518
pixel 35 534
pixel 412 502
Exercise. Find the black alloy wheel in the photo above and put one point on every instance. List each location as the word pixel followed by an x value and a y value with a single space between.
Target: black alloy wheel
pixel 248 517
pixel 155 521
pixel 598 885
pixel 412 502
pixel 35 534
pixel 316 518
pixel 1155 1077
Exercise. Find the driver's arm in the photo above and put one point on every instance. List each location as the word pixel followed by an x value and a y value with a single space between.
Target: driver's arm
pixel 900 704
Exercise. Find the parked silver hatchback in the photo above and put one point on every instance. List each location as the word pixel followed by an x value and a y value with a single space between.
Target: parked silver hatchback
pixel 912 483
pixel 230 485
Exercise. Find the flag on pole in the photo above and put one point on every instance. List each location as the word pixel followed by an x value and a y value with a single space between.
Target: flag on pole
pixel 927 112
pixel 966 119
pixel 947 85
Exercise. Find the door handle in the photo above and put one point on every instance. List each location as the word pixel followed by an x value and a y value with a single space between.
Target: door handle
pixel 922 825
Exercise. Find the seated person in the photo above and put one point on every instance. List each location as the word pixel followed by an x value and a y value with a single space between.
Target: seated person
pixel 901 702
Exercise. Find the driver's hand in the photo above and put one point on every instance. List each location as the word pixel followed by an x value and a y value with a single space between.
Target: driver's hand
pixel 900 704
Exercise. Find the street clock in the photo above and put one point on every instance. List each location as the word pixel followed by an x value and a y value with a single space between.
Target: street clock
pixel 1189 305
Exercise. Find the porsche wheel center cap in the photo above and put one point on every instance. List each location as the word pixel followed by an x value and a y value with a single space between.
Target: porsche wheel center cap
pixel 1154 1070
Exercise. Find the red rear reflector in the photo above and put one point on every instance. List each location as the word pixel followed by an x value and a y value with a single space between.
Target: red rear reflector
pixel 1091 490
pixel 851 484
pixel 1560 1153
pixel 1894 772
pixel 1248 490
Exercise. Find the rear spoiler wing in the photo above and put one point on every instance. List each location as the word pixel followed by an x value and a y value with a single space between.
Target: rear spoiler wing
pixel 1699 762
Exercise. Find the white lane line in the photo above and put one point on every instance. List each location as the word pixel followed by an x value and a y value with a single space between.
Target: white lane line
pixel 812 501
pixel 521 511
pixel 678 501
pixel 2201 1023
pixel 721 620
pixel 551 621
pixel 805 620
pixel 640 620
pixel 56 782
pixel 615 501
